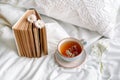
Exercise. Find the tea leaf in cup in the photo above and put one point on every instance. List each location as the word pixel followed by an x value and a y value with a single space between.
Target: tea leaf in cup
pixel 69 54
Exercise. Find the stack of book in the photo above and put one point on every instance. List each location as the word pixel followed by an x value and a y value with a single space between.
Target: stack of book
pixel 31 40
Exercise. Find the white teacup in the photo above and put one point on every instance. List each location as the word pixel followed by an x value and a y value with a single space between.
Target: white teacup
pixel 70 49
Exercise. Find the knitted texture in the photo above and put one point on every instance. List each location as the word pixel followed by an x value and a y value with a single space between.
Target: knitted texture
pixel 95 15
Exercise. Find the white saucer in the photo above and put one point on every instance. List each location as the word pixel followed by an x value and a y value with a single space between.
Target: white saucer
pixel 72 64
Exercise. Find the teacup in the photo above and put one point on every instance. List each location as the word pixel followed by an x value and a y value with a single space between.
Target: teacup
pixel 70 49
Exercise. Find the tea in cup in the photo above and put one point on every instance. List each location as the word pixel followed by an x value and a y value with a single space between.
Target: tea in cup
pixel 70 49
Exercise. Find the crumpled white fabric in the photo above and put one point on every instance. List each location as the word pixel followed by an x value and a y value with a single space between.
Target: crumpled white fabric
pixel 13 67
pixel 95 15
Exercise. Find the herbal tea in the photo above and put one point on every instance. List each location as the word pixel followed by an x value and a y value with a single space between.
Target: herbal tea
pixel 70 49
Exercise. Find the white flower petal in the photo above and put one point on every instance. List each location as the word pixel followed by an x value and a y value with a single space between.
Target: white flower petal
pixel 39 24
pixel 32 18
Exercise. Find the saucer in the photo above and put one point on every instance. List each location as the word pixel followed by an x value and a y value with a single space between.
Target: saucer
pixel 71 64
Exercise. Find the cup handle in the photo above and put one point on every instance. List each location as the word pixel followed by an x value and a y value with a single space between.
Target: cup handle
pixel 83 41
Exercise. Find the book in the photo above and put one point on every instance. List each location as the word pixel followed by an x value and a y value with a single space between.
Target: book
pixel 31 40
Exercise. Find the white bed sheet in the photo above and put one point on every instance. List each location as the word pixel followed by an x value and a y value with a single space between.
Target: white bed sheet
pixel 13 67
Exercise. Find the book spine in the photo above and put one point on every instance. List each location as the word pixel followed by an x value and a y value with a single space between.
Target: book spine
pixel 44 40
pixel 37 41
